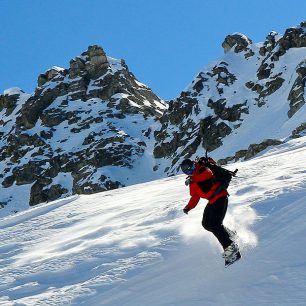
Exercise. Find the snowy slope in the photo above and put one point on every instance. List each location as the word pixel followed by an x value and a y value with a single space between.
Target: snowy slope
pixel 273 114
pixel 244 98
pixel 134 246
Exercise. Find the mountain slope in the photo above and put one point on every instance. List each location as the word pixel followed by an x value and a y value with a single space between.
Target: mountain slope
pixel 83 130
pixel 134 246
pixel 254 93
pixel 94 127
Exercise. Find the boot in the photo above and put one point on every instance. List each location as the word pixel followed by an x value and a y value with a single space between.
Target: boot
pixel 230 251
pixel 231 260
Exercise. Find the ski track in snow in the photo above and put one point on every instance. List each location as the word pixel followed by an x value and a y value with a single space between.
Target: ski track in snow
pixel 134 246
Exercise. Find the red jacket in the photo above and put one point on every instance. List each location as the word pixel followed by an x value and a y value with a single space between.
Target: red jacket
pixel 203 185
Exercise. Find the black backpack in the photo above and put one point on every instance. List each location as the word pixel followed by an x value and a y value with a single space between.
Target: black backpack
pixel 221 174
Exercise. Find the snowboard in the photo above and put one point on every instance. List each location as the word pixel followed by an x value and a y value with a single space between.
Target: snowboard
pixel 233 259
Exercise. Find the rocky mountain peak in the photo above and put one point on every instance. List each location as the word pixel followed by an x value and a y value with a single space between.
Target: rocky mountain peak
pixel 78 124
pixel 92 63
pixel 91 75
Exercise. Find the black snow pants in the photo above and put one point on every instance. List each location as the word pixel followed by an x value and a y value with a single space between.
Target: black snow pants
pixel 213 218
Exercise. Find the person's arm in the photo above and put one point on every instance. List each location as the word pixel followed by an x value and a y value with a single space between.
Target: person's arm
pixel 193 202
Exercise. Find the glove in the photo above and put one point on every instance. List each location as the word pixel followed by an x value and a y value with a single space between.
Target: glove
pixel 186 210
pixel 188 180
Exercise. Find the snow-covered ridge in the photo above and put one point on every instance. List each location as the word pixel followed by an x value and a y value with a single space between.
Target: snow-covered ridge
pixel 121 247
pixel 255 92
pixel 13 91
pixel 93 126
pixel 83 130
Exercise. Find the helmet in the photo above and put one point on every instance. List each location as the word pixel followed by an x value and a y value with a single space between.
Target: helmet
pixel 187 166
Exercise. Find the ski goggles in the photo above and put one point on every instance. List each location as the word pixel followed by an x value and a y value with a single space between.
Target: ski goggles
pixel 189 170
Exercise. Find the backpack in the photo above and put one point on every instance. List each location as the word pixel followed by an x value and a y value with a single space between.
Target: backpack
pixel 221 174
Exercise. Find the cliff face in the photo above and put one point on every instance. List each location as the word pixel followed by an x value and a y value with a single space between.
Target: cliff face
pixel 93 127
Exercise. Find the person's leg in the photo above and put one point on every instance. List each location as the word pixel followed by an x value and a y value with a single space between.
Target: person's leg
pixel 212 221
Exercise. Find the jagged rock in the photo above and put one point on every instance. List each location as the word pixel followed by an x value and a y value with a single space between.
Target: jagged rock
pixel 185 136
pixel 212 107
pixel 225 161
pixel 34 107
pixel 39 192
pixel 293 38
pixel 240 41
pixel 212 133
pixel 296 95
pixel 90 188
pixel 264 71
pixel 276 46
pixel 9 100
pixel 255 87
pixel 240 154
pixel 299 131
pixel 271 87
pixel 53 117
pixel 26 174
pixel 254 149
pixel 223 75
pixel 3 204
pixel 8 181
pixel 77 66
pixel 50 74
pixel 167 148
pixel 228 113
pixel 167 144
pixel 92 64
pixel 98 63
pixel 269 44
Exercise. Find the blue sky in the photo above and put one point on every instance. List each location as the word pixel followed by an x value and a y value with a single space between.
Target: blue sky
pixel 165 42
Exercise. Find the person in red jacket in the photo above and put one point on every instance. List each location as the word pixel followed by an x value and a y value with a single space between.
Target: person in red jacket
pixel 202 184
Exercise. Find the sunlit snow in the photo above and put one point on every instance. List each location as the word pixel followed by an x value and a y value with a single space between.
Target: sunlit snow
pixel 134 246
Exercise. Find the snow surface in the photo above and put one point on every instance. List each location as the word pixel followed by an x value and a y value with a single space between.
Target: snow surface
pixel 13 91
pixel 134 246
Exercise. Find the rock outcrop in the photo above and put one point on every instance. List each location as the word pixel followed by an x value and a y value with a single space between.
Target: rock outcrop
pixel 240 43
pixel 297 92
pixel 251 151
